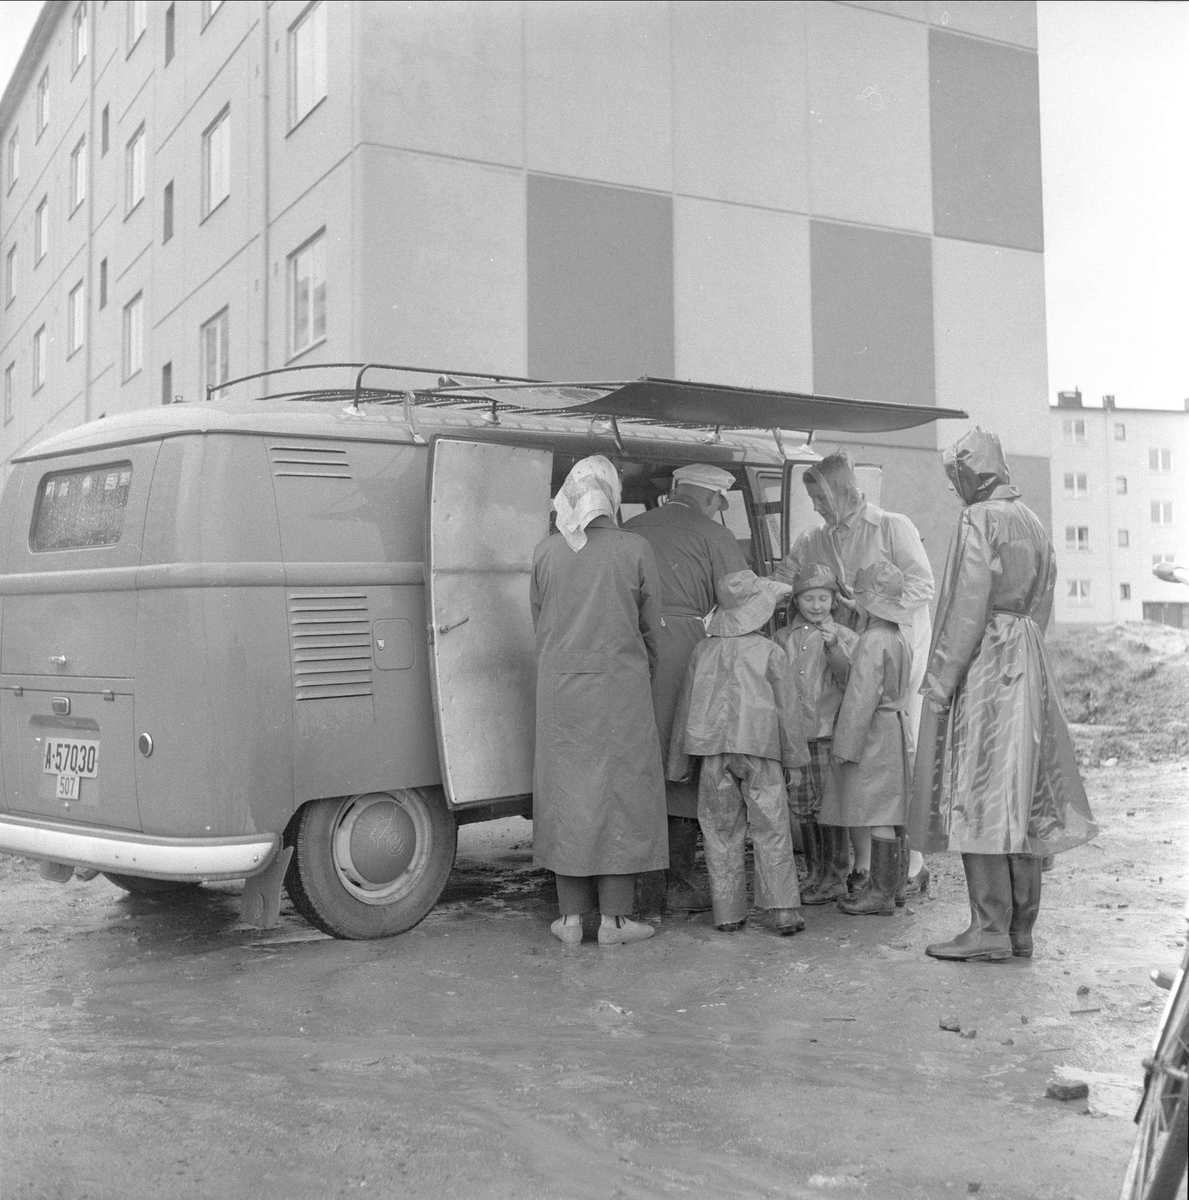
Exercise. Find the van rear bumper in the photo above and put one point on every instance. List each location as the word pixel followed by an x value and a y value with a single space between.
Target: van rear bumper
pixel 126 853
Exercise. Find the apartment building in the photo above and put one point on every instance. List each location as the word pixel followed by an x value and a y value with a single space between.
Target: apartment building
pixel 1120 507
pixel 833 197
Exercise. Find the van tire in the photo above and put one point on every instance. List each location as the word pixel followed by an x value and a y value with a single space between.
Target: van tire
pixel 371 865
pixel 139 885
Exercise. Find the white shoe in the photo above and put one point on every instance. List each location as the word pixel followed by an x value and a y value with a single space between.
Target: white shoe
pixel 571 934
pixel 629 931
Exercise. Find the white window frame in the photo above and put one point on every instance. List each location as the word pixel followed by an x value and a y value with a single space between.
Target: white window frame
pixel 308 80
pixel 311 253
pixel 1076 483
pixel 1120 432
pixel 1120 485
pixel 13 157
pixel 1157 559
pixel 1073 429
pixel 10 275
pixel 216 162
pixel 133 327
pixel 214 348
pixel 134 170
pixel 1077 538
pixel 43 102
pixel 76 319
pixel 1124 591
pixel 39 359
pixel 9 375
pixel 138 22
pixel 41 230
pixel 78 37
pixel 1078 592
pixel 78 174
pixel 1160 459
pixel 1161 511
pixel 1123 538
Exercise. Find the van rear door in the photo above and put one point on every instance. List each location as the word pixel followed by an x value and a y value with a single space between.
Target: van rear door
pixel 68 651
pixel 488 507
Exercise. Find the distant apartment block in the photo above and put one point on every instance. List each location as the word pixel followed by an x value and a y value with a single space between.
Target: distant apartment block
pixel 1120 498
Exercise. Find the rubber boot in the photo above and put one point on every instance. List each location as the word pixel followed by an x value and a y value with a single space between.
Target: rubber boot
pixel 1026 873
pixel 650 895
pixel 878 898
pixel 988 881
pixel 811 841
pixel 684 892
pixel 902 870
pixel 835 842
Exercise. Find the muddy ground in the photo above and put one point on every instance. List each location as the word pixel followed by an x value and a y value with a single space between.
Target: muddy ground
pixel 153 1049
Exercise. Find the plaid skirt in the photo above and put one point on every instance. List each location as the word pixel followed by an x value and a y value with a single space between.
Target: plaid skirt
pixel 805 799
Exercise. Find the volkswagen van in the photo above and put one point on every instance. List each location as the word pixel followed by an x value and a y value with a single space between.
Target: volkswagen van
pixel 286 638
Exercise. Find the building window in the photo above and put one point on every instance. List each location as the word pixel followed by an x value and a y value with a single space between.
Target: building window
pixel 1075 484
pixel 307 294
pixel 1161 512
pixel 78 36
pixel 1121 484
pixel 105 131
pixel 1077 537
pixel 1157 559
pixel 103 283
pixel 307 62
pixel 10 275
pixel 1074 431
pixel 134 335
pixel 1079 591
pixel 43 101
pixel 215 358
pixel 138 18
pixel 1159 460
pixel 76 317
pixel 216 162
pixel 167 213
pixel 41 230
pixel 167 383
pixel 14 157
pixel 170 29
pixel 39 358
pixel 9 373
pixel 209 8
pixel 1124 591
pixel 1120 432
pixel 78 174
pixel 1124 539
pixel 134 164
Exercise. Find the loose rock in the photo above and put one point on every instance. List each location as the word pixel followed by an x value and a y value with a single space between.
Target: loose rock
pixel 950 1025
pixel 1061 1089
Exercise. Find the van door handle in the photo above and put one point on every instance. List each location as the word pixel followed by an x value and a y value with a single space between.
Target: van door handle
pixel 453 625
pixel 57 660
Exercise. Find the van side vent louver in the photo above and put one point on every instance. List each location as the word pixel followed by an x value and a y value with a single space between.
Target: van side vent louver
pixel 310 462
pixel 330 644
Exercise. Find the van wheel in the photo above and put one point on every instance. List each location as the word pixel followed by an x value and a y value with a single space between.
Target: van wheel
pixel 138 885
pixel 372 865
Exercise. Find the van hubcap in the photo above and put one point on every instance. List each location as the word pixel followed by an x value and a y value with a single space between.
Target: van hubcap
pixel 381 844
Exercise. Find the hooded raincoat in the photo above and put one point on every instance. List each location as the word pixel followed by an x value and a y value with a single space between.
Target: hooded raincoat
pixel 996 774
pixel 598 779
pixel 857 534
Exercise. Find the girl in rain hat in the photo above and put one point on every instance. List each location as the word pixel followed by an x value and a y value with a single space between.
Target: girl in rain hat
pixel 819 649
pixel 871 742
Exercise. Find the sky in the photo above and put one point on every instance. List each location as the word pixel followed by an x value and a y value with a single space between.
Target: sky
pixel 1114 113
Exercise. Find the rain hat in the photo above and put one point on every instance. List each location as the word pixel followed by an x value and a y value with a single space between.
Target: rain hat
pixel 977 467
pixel 703 475
pixel 745 603
pixel 814 575
pixel 879 588
pixel 590 490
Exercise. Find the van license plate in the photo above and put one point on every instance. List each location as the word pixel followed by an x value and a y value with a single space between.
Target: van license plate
pixel 71 757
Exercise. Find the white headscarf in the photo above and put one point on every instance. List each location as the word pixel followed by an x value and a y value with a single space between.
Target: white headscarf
pixel 591 490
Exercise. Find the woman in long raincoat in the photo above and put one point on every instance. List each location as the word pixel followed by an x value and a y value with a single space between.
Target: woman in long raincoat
pixel 997 780
pixel 598 782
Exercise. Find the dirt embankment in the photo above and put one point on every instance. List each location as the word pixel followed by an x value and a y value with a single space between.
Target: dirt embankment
pixel 1125 689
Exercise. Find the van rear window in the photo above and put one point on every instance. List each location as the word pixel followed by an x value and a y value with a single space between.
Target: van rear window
pixel 81 508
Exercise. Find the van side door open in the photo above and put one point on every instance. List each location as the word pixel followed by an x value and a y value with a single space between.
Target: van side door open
pixel 488 507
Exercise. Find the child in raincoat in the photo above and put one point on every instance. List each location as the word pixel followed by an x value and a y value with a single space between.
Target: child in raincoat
pixel 739 712
pixel 819 650
pixel 871 743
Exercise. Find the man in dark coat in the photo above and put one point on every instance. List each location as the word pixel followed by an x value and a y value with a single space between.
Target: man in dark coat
pixel 693 551
pixel 598 780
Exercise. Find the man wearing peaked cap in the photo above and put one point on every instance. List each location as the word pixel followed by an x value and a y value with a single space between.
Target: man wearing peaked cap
pixel 693 550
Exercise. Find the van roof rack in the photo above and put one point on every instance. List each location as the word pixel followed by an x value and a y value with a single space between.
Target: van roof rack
pixel 647 399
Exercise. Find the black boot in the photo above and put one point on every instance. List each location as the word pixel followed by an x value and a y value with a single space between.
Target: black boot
pixel 902 872
pixel 988 882
pixel 1026 874
pixel 878 898
pixel 835 842
pixel 811 841
pixel 684 891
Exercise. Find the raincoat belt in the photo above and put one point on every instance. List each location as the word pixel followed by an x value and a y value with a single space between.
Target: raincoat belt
pixel 683 612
